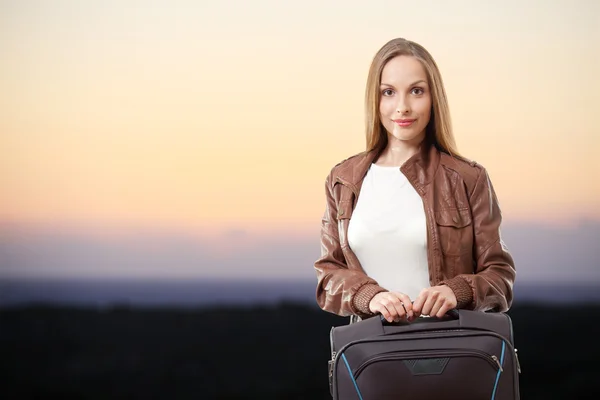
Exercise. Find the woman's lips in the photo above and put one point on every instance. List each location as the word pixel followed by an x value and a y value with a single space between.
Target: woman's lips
pixel 404 122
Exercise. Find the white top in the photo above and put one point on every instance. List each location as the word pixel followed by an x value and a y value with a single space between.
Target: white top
pixel 388 232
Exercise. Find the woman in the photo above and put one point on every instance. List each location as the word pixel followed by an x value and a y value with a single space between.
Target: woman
pixel 410 228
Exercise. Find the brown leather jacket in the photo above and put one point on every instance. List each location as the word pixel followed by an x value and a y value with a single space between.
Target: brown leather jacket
pixel 464 247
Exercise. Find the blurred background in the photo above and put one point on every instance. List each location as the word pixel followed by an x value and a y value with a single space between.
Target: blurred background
pixel 162 169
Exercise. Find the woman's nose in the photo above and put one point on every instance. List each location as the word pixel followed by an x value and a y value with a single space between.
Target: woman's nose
pixel 402 107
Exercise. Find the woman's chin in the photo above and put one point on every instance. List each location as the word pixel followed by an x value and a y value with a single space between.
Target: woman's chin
pixel 406 137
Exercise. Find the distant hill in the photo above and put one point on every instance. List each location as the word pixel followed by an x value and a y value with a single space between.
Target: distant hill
pixel 201 293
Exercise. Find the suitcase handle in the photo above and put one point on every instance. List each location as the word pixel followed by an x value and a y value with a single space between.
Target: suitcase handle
pixel 452 314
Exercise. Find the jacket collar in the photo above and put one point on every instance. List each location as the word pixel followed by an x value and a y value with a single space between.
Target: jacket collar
pixel 419 169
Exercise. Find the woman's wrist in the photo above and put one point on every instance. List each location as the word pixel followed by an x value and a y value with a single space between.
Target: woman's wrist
pixel 462 291
pixel 363 296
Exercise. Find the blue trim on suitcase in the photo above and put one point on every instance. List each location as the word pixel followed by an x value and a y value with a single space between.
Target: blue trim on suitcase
pixel 499 370
pixel 351 376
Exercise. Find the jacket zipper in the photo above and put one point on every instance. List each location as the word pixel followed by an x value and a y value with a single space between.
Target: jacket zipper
pixel 491 359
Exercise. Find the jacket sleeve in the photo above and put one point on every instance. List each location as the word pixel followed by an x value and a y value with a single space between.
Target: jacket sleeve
pixel 491 286
pixel 340 290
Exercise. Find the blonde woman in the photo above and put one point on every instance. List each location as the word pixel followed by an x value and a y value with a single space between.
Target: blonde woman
pixel 410 227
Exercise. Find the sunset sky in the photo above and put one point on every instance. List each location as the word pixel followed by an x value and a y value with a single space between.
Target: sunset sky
pixel 127 127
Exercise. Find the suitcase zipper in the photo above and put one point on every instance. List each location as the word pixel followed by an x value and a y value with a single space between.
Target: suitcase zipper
pixel 491 359
pixel 331 363
pixel 497 362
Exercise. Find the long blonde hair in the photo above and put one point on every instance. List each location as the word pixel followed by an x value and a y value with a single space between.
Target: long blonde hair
pixel 439 128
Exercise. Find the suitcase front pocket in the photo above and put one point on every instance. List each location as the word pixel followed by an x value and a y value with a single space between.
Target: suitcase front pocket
pixel 428 374
pixel 426 362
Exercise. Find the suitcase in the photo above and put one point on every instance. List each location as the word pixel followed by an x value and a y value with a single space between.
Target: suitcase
pixel 464 355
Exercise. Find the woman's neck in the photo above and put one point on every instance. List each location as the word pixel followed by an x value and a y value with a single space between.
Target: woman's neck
pixel 396 154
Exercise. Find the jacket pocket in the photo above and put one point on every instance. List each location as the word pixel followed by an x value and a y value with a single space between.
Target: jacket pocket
pixel 455 231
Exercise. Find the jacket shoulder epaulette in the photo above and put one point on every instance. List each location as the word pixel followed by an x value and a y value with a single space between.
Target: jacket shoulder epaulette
pixel 348 159
pixel 468 170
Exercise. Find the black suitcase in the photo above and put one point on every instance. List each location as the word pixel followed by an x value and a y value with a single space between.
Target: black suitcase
pixel 464 355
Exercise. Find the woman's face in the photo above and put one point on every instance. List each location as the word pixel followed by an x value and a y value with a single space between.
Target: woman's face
pixel 405 100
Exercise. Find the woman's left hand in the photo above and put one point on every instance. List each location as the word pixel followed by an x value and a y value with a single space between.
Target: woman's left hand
pixel 434 301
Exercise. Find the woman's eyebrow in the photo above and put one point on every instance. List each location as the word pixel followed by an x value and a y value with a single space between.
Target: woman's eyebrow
pixel 412 84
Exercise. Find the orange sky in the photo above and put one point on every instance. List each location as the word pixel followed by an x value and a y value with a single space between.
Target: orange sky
pixel 230 115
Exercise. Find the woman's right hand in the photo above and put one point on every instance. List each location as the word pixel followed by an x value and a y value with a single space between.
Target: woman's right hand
pixel 394 306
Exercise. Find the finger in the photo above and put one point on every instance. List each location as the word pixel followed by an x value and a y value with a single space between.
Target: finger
pixel 408 306
pixel 400 311
pixel 402 304
pixel 398 304
pixel 448 304
pixel 417 305
pixel 389 312
pixel 376 300
pixel 437 306
pixel 429 302
pixel 439 299
pixel 445 306
pixel 392 303
pixel 382 309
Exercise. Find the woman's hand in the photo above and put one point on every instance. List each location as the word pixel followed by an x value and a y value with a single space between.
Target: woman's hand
pixel 434 301
pixel 394 306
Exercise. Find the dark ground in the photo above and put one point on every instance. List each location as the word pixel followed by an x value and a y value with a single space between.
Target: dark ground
pixel 253 353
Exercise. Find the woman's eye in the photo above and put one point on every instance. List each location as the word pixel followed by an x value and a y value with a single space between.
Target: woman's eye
pixel 417 91
pixel 387 92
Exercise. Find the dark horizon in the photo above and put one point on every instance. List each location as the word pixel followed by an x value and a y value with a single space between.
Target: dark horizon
pixel 209 292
